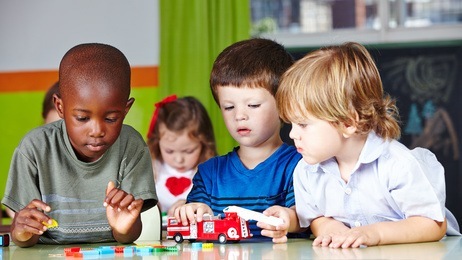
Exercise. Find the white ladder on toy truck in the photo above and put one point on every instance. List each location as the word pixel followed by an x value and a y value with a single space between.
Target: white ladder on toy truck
pixel 244 231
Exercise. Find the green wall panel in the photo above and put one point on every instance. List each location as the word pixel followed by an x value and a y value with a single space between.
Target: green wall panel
pixel 20 113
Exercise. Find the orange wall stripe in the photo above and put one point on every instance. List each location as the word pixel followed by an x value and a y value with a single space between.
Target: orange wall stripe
pixel 27 81
pixel 145 76
pixel 41 80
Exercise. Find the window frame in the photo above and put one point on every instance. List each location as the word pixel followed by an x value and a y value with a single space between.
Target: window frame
pixel 437 32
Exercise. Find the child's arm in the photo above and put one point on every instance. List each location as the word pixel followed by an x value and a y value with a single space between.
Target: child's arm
pixel 410 230
pixel 279 233
pixel 123 214
pixel 190 212
pixel 28 223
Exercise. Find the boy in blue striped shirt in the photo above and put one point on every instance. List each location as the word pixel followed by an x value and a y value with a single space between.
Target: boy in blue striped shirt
pixel 258 173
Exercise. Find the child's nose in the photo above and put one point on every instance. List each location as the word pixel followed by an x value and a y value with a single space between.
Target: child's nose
pixel 293 134
pixel 179 158
pixel 241 115
pixel 97 129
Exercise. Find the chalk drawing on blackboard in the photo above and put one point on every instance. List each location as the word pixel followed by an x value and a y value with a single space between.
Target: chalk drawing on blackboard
pixel 414 123
pixel 428 80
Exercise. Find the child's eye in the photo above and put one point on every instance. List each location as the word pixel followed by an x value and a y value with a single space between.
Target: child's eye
pixel 190 151
pixel 111 120
pixel 227 108
pixel 81 118
pixel 302 125
pixel 254 106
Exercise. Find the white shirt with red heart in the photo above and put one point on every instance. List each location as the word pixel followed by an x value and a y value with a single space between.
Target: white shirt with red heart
pixel 171 185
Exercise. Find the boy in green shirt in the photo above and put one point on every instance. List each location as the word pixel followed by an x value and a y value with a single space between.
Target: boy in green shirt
pixel 89 171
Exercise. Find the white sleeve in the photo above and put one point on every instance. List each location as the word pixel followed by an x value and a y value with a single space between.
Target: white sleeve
pixel 418 185
pixel 304 203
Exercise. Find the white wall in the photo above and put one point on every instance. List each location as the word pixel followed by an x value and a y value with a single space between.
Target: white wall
pixel 35 34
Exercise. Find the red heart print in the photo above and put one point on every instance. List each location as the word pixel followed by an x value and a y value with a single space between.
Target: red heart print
pixel 177 186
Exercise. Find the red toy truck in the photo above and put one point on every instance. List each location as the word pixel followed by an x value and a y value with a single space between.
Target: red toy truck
pixel 211 228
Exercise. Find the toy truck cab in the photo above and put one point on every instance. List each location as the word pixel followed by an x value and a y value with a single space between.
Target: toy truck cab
pixel 211 228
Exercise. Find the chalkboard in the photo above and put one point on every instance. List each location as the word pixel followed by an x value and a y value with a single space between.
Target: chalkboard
pixel 426 81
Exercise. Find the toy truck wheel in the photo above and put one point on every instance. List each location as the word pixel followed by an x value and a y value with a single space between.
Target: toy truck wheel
pixel 178 238
pixel 222 238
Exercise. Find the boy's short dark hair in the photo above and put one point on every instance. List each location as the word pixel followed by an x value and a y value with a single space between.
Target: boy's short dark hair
pixel 254 63
pixel 95 61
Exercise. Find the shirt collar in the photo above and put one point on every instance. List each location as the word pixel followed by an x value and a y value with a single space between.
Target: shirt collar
pixel 373 148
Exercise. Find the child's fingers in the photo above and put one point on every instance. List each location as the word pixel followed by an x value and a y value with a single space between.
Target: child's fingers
pixel 273 211
pixel 326 241
pixel 38 204
pixel 120 200
pixel 279 212
pixel 136 205
pixel 125 200
pixel 187 214
pixel 316 242
pixel 201 210
pixel 353 241
pixel 110 186
pixel 31 220
pixel 322 241
pixel 265 226
pixel 280 240
pixel 191 215
pixel 282 228
pixel 32 215
pixel 176 213
pixel 273 233
pixel 172 210
pixel 182 215
pixel 28 226
pixel 114 197
pixel 199 214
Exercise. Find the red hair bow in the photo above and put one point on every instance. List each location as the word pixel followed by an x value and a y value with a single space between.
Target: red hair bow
pixel 158 105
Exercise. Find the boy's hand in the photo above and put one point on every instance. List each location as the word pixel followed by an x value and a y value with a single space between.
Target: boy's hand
pixel 30 221
pixel 122 209
pixel 279 233
pixel 190 212
pixel 178 203
pixel 355 237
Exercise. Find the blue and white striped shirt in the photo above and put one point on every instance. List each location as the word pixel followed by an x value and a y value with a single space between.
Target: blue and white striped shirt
pixel 224 181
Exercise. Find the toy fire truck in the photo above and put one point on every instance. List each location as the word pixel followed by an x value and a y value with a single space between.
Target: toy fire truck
pixel 211 228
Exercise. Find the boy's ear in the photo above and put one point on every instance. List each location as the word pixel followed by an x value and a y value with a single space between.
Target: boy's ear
pixel 58 105
pixel 349 128
pixel 129 105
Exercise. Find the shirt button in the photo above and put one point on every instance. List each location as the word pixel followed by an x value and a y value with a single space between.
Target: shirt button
pixel 357 224
pixel 348 191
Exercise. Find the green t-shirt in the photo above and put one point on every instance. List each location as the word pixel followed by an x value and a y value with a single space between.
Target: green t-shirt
pixel 45 167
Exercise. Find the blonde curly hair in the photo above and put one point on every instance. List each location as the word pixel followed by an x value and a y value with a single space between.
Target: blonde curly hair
pixel 342 85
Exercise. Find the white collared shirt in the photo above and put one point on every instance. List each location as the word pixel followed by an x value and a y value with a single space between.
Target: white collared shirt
pixel 389 183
